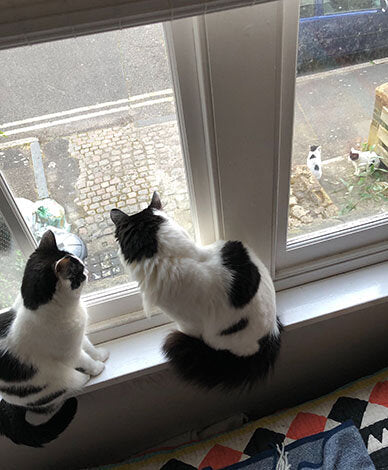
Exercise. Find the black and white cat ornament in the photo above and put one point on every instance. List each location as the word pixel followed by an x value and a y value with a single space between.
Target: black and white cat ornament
pixel 221 297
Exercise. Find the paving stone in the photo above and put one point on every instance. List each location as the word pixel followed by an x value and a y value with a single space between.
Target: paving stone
pixel 120 167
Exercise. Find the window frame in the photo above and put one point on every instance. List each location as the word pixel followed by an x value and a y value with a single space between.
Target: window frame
pixel 211 57
pixel 329 251
pixel 14 219
pixel 212 35
pixel 117 311
pixel 318 255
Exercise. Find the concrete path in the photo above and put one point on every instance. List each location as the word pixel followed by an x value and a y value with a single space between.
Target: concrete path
pixel 334 109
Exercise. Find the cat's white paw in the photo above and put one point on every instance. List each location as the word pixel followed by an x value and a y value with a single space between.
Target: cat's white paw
pixel 102 354
pixel 85 379
pixel 97 368
pixel 81 379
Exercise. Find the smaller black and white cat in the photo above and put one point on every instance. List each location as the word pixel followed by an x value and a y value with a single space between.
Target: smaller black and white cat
pixel 221 296
pixel 314 161
pixel 364 160
pixel 44 353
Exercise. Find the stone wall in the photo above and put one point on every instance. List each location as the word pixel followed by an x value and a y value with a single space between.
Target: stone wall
pixel 121 167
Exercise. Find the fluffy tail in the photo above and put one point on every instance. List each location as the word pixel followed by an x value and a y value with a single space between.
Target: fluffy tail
pixel 196 362
pixel 14 425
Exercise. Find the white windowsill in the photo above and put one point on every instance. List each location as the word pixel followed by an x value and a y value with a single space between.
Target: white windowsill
pixel 140 353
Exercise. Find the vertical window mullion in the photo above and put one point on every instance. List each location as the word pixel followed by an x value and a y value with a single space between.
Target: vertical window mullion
pixel 188 58
pixel 14 219
pixel 328 251
pixel 242 50
pixel 287 65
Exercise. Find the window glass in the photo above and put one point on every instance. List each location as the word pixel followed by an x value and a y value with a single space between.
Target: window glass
pixel 341 103
pixel 12 264
pixel 90 125
pixel 307 8
pixel 343 6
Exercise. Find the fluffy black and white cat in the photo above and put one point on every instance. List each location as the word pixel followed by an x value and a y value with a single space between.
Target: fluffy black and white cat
pixel 221 296
pixel 44 353
pixel 362 160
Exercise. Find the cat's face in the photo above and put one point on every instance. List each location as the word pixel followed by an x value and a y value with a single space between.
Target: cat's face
pixel 137 233
pixel 48 270
pixel 354 155
pixel 315 149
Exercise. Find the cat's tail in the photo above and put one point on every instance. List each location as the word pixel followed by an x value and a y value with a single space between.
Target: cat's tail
pixel 196 362
pixel 13 424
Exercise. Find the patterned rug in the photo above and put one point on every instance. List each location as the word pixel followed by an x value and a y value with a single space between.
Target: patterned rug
pixel 365 402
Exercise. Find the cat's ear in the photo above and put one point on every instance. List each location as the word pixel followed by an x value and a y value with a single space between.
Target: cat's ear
pixel 156 203
pixel 118 216
pixel 48 241
pixel 319 147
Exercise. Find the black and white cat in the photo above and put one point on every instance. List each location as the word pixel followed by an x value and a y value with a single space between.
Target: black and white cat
pixel 362 160
pixel 221 296
pixel 44 353
pixel 314 160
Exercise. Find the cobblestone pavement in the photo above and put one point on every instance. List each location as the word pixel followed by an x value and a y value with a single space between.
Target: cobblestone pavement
pixel 121 167
pixel 89 173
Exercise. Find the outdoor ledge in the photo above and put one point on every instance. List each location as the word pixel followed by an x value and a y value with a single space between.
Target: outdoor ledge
pixel 140 353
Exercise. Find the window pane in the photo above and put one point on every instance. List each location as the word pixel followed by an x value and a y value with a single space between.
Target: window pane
pixel 307 8
pixel 340 105
pixel 344 6
pixel 12 264
pixel 90 125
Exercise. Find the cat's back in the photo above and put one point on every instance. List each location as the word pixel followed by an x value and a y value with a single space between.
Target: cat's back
pixel 228 271
pixel 244 273
pixel 246 308
pixel 225 262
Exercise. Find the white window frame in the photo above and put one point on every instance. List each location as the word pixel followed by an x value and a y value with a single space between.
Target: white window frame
pixel 328 251
pixel 256 124
pixel 118 311
pixel 234 80
pixel 236 124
